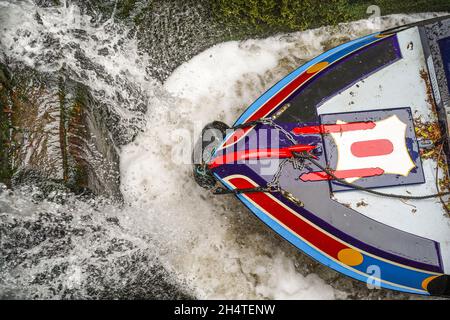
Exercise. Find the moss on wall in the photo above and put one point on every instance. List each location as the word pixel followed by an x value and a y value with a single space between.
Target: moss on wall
pixel 5 123
pixel 264 17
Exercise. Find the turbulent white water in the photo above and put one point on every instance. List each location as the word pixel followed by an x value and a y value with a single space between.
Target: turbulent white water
pixel 213 244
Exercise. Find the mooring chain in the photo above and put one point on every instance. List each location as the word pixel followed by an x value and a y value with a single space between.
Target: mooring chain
pixel 274 185
pixel 269 122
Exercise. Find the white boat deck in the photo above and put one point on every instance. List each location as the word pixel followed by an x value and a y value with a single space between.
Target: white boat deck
pixel 399 85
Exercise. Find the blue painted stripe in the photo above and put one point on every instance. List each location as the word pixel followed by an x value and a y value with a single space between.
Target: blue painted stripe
pixel 394 273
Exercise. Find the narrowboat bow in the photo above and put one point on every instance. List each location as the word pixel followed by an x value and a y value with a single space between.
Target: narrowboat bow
pixel 347 158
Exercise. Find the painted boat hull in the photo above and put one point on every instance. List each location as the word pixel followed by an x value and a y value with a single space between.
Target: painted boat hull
pixel 379 91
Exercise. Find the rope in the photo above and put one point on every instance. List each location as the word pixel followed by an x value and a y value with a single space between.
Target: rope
pixel 357 187
pixel 414 24
pixel 289 196
pixel 222 191
pixel 272 187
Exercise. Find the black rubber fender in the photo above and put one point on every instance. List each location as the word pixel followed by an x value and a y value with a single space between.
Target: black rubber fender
pixel 211 137
pixel 440 286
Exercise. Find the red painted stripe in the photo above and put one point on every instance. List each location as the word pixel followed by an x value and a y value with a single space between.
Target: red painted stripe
pixel 280 96
pixel 372 148
pixel 333 128
pixel 233 157
pixel 235 136
pixel 310 233
pixel 342 174
pixel 270 104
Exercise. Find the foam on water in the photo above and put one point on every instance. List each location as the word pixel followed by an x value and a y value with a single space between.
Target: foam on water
pixel 214 244
pixel 224 253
